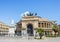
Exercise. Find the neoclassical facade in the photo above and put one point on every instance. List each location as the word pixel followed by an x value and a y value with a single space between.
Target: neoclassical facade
pixel 30 23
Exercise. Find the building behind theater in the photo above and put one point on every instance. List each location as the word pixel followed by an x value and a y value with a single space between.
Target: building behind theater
pixel 4 29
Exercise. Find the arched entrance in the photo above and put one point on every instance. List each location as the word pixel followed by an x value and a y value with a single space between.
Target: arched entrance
pixel 30 29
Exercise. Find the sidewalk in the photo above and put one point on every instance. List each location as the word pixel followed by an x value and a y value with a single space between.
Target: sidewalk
pixel 19 39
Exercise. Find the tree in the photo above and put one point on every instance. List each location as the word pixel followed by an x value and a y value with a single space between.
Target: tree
pixel 55 28
pixel 41 32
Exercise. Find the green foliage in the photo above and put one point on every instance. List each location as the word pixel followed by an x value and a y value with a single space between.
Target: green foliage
pixel 55 28
pixel 40 31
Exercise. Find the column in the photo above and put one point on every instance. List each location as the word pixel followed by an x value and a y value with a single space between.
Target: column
pixel 23 32
pixel 34 33
pixel 40 24
pixel 46 25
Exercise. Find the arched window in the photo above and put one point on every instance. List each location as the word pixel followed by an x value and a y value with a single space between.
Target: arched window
pixel 45 25
pixel 38 24
pixel 42 25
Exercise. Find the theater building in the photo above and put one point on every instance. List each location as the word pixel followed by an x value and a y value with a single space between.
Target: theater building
pixel 30 23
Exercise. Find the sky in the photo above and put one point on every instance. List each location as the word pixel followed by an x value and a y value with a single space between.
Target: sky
pixel 12 9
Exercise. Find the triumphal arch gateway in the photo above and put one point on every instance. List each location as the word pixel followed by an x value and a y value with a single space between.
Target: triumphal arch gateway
pixel 30 22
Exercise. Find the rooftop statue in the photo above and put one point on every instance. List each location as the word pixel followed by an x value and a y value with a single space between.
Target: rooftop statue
pixel 27 13
pixel 30 14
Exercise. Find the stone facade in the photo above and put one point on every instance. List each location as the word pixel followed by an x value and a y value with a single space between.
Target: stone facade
pixel 30 23
pixel 4 29
pixel 12 28
pixel 59 30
